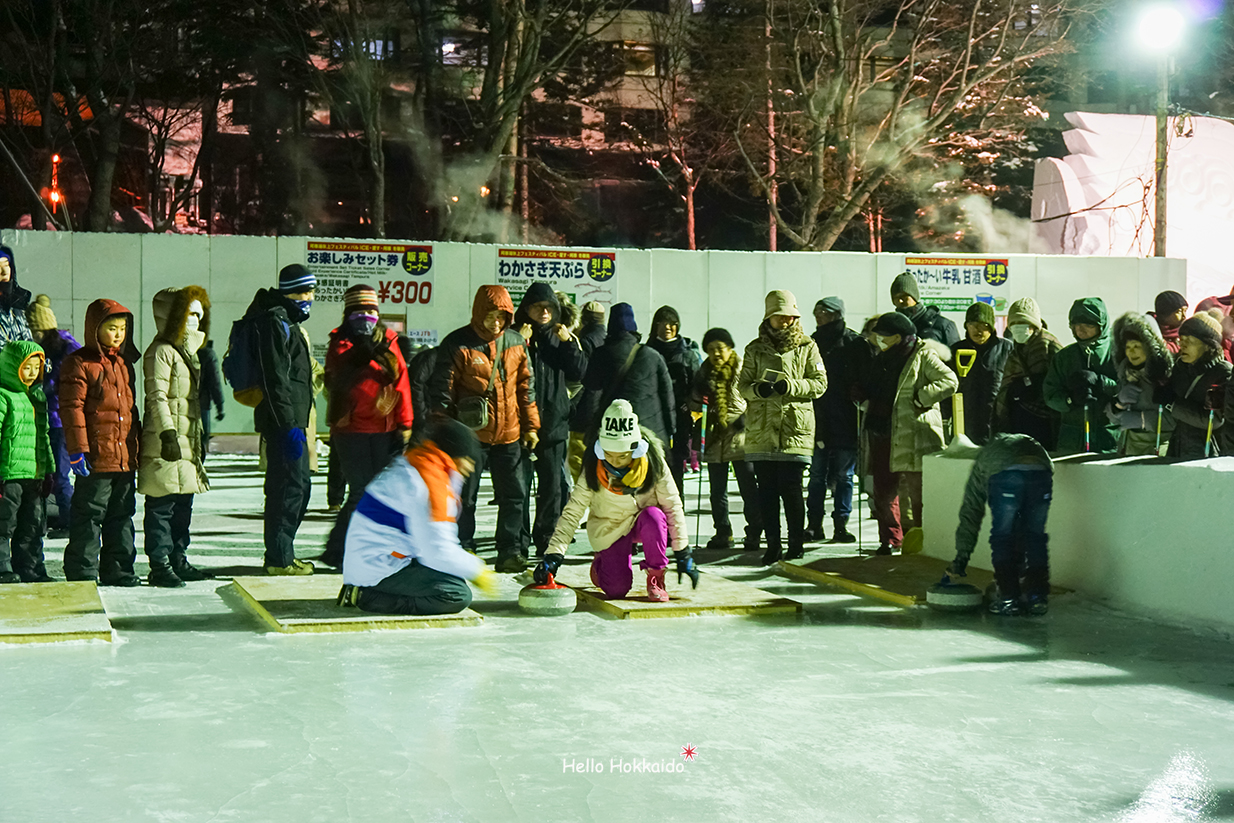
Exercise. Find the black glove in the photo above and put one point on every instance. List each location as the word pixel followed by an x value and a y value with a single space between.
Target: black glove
pixel 171 445
pixel 219 415
pixel 686 566
pixel 764 389
pixel 780 386
pixel 548 565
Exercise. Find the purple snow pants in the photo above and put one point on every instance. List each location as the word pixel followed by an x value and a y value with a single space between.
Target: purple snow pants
pixel 610 569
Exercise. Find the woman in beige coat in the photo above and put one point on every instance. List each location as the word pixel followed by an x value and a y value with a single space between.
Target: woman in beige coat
pixel 781 375
pixel 170 469
pixel 902 424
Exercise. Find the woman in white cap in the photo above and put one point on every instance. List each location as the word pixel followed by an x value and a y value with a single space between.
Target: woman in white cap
pixel 781 375
pixel 628 495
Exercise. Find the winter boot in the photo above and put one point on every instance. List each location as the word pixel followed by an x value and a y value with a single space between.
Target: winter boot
pixel 186 571
pixel 655 586
pixel 841 533
pixel 796 550
pixel 773 553
pixel 349 595
pixel 1006 607
pixel 10 577
pixel 723 539
pixel 883 550
pixel 295 567
pixel 511 563
pixel 814 533
pixel 122 579
pixel 162 576
pixel 752 541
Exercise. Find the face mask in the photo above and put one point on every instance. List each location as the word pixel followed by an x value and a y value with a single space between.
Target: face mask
pixel 363 323
pixel 1020 332
pixel 881 342
pixel 305 306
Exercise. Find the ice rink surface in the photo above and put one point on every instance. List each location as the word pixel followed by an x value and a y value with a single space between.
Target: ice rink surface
pixel 852 712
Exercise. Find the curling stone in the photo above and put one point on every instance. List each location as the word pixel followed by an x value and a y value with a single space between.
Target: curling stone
pixel 549 600
pixel 946 596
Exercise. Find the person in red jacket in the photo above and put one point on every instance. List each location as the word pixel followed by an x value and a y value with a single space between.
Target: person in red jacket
pixel 369 408
pixel 98 409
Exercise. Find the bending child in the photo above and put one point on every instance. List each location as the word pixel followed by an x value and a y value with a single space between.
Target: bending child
pixel 402 553
pixel 27 464
pixel 1015 474
pixel 628 495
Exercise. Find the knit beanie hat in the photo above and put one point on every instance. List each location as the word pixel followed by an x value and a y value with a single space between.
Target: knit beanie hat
pixel 720 335
pixel 621 319
pixel 1024 310
pixel 619 431
pixel 894 323
pixel 666 314
pixel 1169 302
pixel 980 313
pixel 40 316
pixel 296 278
pixel 359 297
pixel 1203 327
pixel 453 438
pixel 593 312
pixel 780 302
pixel 905 284
pixel 831 304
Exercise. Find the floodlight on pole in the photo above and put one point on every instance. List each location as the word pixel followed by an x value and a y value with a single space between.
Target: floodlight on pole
pixel 1161 30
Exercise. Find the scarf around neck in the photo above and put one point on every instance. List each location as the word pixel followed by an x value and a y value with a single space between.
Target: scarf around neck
pixel 782 340
pixel 721 381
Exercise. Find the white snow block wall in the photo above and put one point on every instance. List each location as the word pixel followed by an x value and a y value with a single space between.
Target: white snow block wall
pixel 1142 535
pixel 708 288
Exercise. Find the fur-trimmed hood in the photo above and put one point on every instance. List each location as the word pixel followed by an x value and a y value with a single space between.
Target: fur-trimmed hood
pixel 171 311
pixel 1136 326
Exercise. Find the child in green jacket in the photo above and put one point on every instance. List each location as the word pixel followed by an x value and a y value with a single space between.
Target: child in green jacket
pixel 26 463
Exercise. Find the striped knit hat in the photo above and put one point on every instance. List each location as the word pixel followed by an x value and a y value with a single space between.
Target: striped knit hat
pixel 359 297
pixel 296 278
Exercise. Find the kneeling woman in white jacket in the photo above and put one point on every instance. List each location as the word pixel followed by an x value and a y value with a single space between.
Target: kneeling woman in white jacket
pixel 402 551
pixel 628 495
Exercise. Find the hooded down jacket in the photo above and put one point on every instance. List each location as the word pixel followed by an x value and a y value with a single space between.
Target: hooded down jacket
pixel 173 403
pixel 467 359
pixel 781 424
pixel 1082 380
pixel 25 451
pixel 916 421
pixel 13 302
pixel 611 515
pixel 1139 405
pixel 98 401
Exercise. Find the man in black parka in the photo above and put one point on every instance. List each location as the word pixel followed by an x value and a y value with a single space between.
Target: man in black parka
pixel 556 359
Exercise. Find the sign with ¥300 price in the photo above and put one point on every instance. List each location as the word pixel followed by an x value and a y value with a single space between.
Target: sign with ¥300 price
pixel 402 273
pixel 955 283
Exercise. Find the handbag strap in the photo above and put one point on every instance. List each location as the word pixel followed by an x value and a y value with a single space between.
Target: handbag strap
pixel 497 362
pixel 621 375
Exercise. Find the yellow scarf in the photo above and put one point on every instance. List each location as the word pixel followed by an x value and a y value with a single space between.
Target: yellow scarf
pixel 633 479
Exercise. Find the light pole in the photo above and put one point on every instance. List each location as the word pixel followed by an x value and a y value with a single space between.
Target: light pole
pixel 1161 27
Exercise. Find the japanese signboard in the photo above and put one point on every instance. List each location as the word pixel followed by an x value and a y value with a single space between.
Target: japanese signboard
pixel 402 273
pixel 422 337
pixel 955 283
pixel 584 275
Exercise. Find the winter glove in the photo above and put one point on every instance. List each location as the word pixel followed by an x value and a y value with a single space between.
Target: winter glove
pixel 486 582
pixel 686 566
pixel 780 387
pixel 293 445
pixel 764 389
pixel 547 566
pixel 49 481
pixel 1131 420
pixel 219 415
pixel 1129 394
pixel 170 445
pixel 79 464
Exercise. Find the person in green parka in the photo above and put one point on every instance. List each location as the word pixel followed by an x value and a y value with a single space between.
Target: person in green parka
pixel 26 463
pixel 1082 379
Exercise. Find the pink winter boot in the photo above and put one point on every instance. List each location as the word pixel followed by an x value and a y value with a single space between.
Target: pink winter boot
pixel 655 586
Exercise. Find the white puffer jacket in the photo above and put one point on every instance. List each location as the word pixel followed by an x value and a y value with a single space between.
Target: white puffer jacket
pixel 610 516
pixel 173 377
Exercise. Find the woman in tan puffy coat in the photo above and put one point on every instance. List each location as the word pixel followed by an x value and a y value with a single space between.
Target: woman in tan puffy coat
pixel 781 375
pixel 170 470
